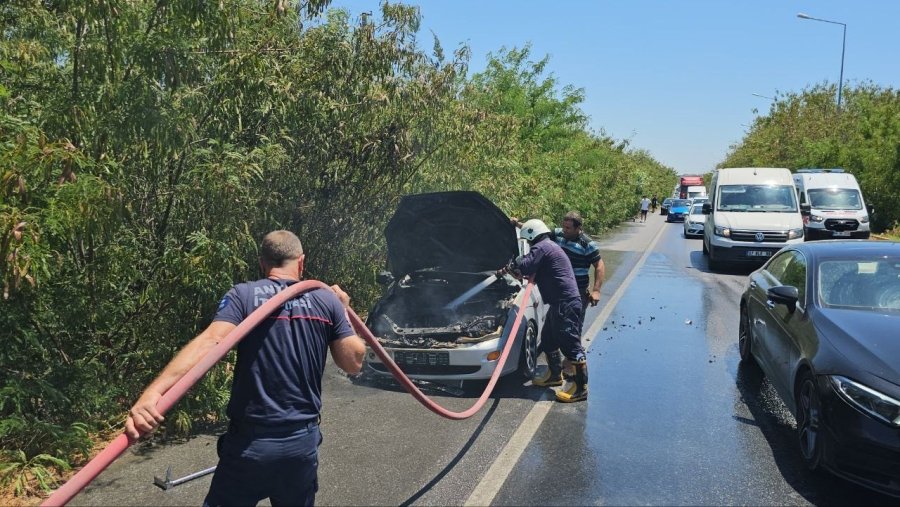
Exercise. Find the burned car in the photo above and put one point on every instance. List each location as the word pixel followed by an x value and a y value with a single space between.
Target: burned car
pixel 441 245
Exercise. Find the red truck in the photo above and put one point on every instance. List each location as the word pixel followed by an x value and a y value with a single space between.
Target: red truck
pixel 690 187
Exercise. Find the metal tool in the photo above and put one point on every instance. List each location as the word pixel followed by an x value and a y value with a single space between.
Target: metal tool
pixel 168 483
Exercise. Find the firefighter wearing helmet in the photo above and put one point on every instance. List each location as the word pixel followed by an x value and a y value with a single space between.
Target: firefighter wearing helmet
pixel 552 272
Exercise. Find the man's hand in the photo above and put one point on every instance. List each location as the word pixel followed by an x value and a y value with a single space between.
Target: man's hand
pixel 143 416
pixel 515 222
pixel 345 299
pixel 595 297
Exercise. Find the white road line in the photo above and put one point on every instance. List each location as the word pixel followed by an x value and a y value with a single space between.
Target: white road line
pixel 493 480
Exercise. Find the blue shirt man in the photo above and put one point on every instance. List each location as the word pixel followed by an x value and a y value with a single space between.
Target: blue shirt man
pixel 271 447
pixel 583 253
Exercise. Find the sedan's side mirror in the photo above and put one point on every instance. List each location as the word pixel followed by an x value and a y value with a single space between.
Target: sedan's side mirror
pixel 784 295
pixel 384 278
pixel 707 209
pixel 870 209
pixel 805 210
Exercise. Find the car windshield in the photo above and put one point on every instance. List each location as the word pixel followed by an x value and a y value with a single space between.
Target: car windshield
pixel 667 200
pixel 681 203
pixel 861 284
pixel 834 198
pixel 777 198
pixel 697 209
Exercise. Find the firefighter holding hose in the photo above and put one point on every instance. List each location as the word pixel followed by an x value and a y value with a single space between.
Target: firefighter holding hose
pixel 553 274
pixel 271 447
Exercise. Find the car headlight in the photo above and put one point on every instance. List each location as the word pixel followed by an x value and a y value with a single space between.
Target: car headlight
pixel 816 218
pixel 880 406
pixel 795 233
pixel 864 220
pixel 722 231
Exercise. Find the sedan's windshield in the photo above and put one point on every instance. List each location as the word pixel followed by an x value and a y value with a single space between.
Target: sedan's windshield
pixel 697 209
pixel 860 284
pixel 834 198
pixel 681 203
pixel 778 198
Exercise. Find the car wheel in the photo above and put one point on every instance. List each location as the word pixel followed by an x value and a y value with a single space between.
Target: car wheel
pixel 745 339
pixel 714 264
pixel 528 355
pixel 809 414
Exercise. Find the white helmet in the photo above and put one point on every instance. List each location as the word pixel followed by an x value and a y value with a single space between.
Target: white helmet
pixel 532 229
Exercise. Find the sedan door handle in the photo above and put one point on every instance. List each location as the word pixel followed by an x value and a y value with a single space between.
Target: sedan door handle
pixel 770 304
pixel 752 285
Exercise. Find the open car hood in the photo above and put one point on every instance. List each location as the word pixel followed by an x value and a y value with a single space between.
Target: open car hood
pixel 456 231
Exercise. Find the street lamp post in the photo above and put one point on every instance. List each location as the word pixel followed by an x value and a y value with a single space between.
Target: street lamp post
pixel 843 48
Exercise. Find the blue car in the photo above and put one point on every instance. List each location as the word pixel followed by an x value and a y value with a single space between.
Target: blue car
pixel 678 210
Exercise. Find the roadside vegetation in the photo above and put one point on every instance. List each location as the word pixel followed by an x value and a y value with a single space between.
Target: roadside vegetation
pixel 805 130
pixel 145 147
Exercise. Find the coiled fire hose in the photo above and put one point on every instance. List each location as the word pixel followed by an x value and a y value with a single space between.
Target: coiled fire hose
pixel 115 448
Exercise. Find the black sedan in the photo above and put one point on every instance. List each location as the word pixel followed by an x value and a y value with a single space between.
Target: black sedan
pixel 664 207
pixel 822 320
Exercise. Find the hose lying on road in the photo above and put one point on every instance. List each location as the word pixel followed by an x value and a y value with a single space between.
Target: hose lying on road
pixel 115 448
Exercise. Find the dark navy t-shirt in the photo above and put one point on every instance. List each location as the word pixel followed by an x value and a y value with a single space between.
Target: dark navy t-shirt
pixel 278 376
pixel 552 271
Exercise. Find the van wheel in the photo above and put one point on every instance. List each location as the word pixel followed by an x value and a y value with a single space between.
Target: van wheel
pixel 705 251
pixel 528 355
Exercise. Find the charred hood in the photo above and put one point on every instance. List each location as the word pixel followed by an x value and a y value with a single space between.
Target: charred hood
pixel 455 231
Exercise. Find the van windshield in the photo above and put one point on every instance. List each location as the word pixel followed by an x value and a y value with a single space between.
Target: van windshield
pixel 834 198
pixel 750 198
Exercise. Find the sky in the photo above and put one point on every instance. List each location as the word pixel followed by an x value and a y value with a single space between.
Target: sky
pixel 676 78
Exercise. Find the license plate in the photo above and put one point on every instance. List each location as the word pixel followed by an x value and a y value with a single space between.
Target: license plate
pixel 842 233
pixel 759 253
pixel 422 358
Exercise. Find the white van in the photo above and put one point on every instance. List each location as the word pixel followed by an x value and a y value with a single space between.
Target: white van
pixel 836 202
pixel 693 192
pixel 753 213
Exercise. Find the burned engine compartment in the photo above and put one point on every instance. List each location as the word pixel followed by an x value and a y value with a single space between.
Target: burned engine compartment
pixel 412 312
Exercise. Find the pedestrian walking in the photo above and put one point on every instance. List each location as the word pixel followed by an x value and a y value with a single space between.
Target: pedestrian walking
pixel 645 205
pixel 553 274
pixel 270 449
pixel 654 202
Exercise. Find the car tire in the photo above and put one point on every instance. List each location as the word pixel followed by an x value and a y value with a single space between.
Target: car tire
pixel 714 264
pixel 528 356
pixel 809 416
pixel 745 338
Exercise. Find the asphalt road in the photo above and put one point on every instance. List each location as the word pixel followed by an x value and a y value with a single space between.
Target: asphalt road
pixel 672 417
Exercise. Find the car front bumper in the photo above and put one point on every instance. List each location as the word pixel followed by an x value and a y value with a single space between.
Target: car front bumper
pixel 858 447
pixel 693 228
pixel 675 216
pixel 814 234
pixel 464 362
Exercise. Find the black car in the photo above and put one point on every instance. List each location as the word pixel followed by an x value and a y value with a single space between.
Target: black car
pixel 664 207
pixel 822 320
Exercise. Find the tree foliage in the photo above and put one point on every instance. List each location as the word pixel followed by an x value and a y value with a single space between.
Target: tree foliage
pixel 146 146
pixel 805 130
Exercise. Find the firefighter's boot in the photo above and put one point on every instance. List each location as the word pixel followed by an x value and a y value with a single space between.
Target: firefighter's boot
pixel 553 375
pixel 578 389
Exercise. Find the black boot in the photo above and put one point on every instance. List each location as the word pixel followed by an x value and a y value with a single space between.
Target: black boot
pixel 577 390
pixel 553 375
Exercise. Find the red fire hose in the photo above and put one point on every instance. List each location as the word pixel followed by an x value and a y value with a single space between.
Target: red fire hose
pixel 115 448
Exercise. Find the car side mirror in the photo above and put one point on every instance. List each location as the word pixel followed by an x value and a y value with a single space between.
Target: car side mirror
pixel 384 278
pixel 805 210
pixel 707 209
pixel 870 209
pixel 784 295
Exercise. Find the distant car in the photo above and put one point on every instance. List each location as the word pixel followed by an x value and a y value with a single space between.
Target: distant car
pixel 699 200
pixel 439 245
pixel 678 210
pixel 693 223
pixel 822 320
pixel 664 207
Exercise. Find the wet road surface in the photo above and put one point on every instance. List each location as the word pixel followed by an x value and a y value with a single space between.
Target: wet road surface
pixel 672 418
